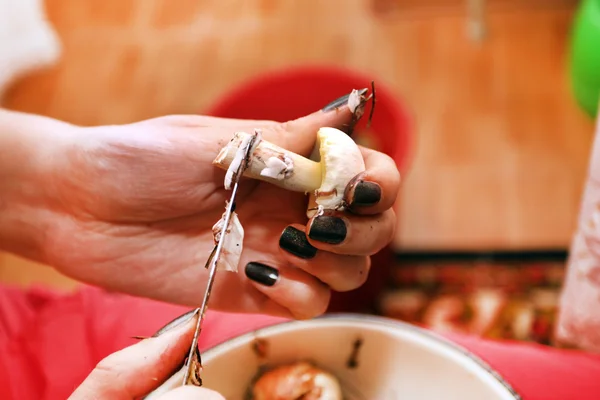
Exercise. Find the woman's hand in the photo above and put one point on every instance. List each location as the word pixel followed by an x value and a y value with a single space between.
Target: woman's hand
pixel 143 369
pixel 131 207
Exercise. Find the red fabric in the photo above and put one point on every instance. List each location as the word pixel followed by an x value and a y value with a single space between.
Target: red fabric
pixel 49 343
pixel 539 372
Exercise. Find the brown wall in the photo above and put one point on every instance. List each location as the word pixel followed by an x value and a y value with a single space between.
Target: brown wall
pixel 501 149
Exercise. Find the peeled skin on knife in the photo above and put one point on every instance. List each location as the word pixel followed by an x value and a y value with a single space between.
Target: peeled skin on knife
pixel 335 160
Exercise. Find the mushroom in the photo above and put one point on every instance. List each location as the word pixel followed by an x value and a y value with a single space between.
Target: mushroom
pixel 335 160
pixel 299 380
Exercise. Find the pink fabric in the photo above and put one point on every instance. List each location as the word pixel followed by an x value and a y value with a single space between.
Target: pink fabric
pixel 539 372
pixel 49 343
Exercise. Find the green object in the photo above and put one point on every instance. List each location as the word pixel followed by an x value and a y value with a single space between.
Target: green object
pixel 585 56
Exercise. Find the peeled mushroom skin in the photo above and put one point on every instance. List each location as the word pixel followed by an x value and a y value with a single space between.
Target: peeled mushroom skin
pixel 296 381
pixel 233 245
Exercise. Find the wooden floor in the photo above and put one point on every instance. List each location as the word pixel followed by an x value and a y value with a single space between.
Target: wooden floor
pixel 501 147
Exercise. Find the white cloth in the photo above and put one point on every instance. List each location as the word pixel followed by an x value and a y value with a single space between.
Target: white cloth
pixel 27 40
pixel 578 321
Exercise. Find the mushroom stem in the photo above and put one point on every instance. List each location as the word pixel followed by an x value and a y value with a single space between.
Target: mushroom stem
pixel 273 164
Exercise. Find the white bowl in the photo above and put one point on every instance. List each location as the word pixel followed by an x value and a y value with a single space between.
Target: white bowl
pixel 395 361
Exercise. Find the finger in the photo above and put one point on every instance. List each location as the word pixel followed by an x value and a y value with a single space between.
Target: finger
pixel 205 121
pixel 341 233
pixel 376 189
pixel 340 272
pixel 137 370
pixel 299 135
pixel 191 393
pixel 336 114
pixel 299 292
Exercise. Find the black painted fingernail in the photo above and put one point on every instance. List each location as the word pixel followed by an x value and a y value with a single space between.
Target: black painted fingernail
pixel 294 241
pixel 341 101
pixel 327 229
pixel 366 194
pixel 262 273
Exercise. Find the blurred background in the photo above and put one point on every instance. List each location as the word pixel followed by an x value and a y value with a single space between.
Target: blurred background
pixel 480 108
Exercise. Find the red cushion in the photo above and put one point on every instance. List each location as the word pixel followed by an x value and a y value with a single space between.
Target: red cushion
pixel 539 372
pixel 49 343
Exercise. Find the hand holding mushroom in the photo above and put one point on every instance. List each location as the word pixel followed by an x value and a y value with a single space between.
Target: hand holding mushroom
pixel 336 180
pixel 132 207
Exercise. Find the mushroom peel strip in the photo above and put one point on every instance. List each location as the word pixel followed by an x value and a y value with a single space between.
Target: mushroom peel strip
pixel 233 245
pixel 336 159
pixel 234 239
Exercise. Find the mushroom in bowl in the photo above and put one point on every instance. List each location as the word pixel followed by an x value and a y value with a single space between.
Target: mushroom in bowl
pixel 365 357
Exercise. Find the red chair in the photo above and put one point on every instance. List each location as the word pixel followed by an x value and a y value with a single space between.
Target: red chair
pixel 294 92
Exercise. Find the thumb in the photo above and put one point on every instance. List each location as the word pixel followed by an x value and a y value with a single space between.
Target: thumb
pixel 191 393
pixel 137 370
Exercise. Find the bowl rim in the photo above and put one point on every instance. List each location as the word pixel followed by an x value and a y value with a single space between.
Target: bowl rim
pixel 374 319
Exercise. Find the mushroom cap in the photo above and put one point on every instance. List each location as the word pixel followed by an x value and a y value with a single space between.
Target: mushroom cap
pixel 341 160
pixel 297 380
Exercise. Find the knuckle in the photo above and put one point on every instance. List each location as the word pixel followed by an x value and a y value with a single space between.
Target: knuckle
pixel 107 365
pixel 281 129
pixel 278 133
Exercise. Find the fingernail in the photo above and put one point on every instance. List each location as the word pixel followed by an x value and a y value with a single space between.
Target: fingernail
pixel 177 322
pixel 366 194
pixel 294 241
pixel 328 229
pixel 341 101
pixel 262 273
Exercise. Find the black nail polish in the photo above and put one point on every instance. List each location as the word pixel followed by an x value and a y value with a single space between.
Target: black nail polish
pixel 341 101
pixel 294 241
pixel 327 229
pixel 262 273
pixel 366 194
